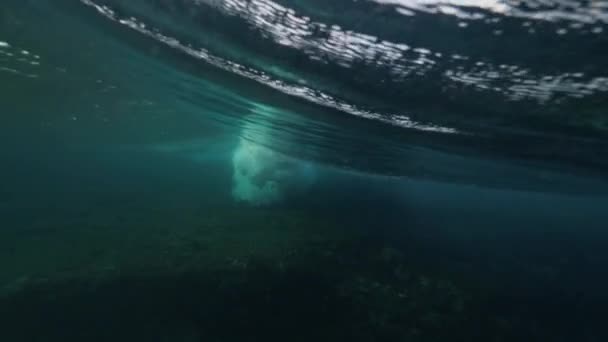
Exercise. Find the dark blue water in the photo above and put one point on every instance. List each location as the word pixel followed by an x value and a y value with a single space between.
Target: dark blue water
pixel 378 170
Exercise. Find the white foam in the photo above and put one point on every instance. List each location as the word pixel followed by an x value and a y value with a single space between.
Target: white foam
pixel 251 162
pixel 262 176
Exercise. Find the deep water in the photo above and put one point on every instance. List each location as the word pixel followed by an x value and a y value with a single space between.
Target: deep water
pixel 256 170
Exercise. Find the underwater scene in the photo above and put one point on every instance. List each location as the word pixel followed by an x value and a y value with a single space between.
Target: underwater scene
pixel 303 170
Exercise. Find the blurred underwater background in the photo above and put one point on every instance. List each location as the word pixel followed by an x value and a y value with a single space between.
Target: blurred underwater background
pixel 289 170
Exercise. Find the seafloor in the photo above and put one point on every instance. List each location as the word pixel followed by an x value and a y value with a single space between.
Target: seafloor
pixel 242 274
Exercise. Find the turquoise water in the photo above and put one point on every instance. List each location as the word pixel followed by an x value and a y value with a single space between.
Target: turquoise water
pixel 235 170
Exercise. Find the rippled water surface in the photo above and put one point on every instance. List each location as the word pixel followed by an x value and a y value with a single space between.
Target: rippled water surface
pixel 229 170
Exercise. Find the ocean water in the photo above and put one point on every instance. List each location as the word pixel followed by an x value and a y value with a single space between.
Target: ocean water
pixel 288 170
